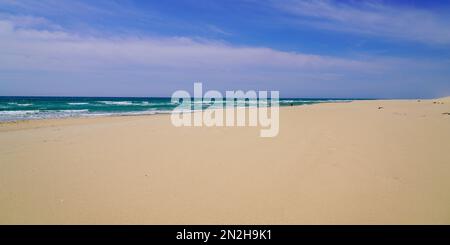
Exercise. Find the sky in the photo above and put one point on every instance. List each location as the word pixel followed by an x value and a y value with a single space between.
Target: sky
pixel 308 49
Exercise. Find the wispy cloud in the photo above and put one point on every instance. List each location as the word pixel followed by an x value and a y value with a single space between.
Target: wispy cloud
pixel 370 18
pixel 28 48
pixel 26 51
pixel 218 30
pixel 58 7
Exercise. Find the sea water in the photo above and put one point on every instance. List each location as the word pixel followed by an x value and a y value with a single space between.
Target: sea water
pixel 27 108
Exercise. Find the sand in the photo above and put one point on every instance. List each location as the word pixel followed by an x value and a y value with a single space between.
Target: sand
pixel 335 163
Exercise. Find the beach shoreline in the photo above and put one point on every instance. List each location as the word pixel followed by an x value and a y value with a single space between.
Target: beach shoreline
pixel 42 122
pixel 359 162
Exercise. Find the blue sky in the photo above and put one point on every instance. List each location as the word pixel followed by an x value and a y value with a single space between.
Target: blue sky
pixel 379 49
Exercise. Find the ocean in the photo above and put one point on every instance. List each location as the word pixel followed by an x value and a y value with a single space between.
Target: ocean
pixel 28 108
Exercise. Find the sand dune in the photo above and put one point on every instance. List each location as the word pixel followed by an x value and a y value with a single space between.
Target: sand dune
pixel 364 162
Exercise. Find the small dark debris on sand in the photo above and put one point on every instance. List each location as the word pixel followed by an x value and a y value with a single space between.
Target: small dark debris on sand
pixel 380 107
pixel 446 113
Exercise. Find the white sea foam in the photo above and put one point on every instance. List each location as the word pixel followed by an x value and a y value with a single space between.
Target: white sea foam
pixel 146 103
pixel 74 111
pixel 117 102
pixel 19 112
pixel 134 113
pixel 78 103
pixel 149 112
pixel 19 104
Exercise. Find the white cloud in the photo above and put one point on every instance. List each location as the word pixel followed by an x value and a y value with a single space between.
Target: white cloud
pixel 38 61
pixel 372 18
pixel 33 49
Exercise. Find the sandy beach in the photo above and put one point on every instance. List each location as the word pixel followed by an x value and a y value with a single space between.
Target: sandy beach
pixel 363 162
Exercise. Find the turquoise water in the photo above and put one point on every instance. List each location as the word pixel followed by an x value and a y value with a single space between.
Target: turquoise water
pixel 27 108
